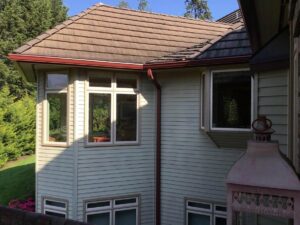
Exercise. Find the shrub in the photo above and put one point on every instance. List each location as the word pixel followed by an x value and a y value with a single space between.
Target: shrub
pixel 26 205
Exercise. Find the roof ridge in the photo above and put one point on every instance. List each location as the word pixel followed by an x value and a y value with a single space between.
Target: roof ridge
pixel 166 15
pixel 55 29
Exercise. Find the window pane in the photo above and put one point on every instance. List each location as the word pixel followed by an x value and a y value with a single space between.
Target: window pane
pixel 126 82
pixel 98 204
pixel 220 221
pixel 125 201
pixel 272 220
pixel 56 204
pixel 99 117
pixel 199 205
pixel 232 100
pixel 198 219
pixel 57 81
pixel 126 117
pixel 99 219
pixel 220 208
pixel 57 117
pixel 125 217
pixel 55 214
pixel 97 81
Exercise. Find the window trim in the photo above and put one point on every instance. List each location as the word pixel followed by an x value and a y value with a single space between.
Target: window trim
pixel 114 91
pixel 55 209
pixel 45 110
pixel 212 212
pixel 113 208
pixel 211 101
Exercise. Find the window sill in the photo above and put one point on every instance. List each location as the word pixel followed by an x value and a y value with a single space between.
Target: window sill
pixel 230 139
pixel 58 145
pixel 103 145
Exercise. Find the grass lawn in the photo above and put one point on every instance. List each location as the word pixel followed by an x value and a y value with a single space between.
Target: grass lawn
pixel 17 179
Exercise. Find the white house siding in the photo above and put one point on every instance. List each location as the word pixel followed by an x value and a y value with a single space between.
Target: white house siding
pixel 54 165
pixel 273 102
pixel 192 166
pixel 114 171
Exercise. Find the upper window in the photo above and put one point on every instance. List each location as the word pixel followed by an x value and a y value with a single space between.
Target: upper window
pixel 56 109
pixel 231 106
pixel 55 208
pixel 112 109
pixel 205 213
pixel 113 212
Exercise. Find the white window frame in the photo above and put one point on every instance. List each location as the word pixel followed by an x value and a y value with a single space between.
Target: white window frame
pixel 202 99
pixel 113 91
pixel 212 212
pixel 55 209
pixel 113 208
pixel 211 101
pixel 45 139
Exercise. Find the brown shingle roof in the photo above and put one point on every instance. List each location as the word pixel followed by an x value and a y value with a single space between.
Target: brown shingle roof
pixel 105 33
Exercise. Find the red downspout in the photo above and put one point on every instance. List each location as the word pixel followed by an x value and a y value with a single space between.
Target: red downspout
pixel 158 144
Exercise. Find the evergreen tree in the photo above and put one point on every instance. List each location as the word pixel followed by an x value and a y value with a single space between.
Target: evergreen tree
pixel 197 9
pixel 21 20
pixel 143 5
pixel 123 4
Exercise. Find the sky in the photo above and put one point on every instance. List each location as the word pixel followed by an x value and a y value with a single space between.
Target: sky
pixel 218 8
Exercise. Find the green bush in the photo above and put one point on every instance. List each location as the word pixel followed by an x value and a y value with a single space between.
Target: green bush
pixel 17 126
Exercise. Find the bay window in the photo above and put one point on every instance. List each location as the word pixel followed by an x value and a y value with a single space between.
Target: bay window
pixel 112 109
pixel 55 112
pixel 231 100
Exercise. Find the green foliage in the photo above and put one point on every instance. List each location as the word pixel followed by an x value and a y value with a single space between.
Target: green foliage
pixel 21 20
pixel 197 9
pixel 17 126
pixel 143 5
pixel 123 4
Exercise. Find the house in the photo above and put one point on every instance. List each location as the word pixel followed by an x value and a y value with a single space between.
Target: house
pixel 140 115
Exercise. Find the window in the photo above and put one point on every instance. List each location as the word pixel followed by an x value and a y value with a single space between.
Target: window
pixel 122 211
pixel 205 213
pixel 55 208
pixel 231 100
pixel 56 108
pixel 112 109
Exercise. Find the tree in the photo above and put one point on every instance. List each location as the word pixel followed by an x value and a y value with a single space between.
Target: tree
pixel 143 5
pixel 21 20
pixel 123 4
pixel 197 9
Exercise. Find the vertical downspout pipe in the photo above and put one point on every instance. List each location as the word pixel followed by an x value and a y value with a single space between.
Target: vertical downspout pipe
pixel 158 145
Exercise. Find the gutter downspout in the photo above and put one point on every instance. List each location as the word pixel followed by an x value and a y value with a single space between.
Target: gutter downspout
pixel 158 145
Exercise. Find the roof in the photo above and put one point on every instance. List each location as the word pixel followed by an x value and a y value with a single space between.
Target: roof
pixel 233 43
pixel 233 18
pixel 105 33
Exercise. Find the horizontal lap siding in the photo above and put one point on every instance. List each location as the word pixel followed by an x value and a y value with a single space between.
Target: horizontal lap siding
pixel 119 170
pixel 272 102
pixel 54 165
pixel 192 166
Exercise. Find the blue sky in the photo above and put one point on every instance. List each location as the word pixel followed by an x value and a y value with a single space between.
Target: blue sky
pixel 219 8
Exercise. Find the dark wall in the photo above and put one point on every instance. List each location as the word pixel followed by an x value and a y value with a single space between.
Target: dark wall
pixel 17 217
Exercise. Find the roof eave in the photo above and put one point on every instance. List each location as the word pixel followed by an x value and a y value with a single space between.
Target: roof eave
pixel 74 62
pixel 199 63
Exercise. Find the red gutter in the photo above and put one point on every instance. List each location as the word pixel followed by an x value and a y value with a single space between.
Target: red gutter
pixel 130 66
pixel 76 62
pixel 158 145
